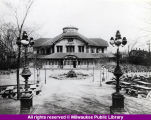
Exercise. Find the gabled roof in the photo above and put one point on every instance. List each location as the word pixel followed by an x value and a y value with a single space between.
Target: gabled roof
pixel 41 42
pixel 99 42
pixel 72 34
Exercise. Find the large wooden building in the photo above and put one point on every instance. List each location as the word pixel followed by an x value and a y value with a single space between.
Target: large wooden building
pixel 70 49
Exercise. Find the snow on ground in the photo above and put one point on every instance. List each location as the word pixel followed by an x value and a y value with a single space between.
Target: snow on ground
pixel 72 96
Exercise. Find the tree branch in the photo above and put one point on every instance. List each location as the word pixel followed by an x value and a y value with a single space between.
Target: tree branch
pixel 17 21
pixel 27 11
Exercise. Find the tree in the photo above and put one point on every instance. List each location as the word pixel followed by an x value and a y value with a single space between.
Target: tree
pixel 23 7
pixel 138 57
pixel 20 10
pixel 8 34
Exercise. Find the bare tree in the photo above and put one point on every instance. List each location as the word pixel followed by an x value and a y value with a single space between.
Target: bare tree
pixel 8 34
pixel 20 11
pixel 25 6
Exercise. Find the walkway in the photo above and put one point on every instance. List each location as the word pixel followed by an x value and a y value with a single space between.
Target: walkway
pixel 83 96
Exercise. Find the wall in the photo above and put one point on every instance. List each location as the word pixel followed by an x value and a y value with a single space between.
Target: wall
pixel 65 43
pixel 76 43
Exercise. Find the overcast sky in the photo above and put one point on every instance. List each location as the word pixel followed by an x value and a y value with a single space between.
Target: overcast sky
pixel 94 18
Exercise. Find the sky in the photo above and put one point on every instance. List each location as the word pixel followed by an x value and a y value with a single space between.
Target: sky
pixel 94 18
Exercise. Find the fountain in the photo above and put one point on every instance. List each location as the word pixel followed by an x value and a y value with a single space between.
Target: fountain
pixel 71 74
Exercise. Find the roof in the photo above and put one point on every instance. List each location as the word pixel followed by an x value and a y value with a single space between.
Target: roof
pixel 90 41
pixel 99 42
pixel 78 55
pixel 41 42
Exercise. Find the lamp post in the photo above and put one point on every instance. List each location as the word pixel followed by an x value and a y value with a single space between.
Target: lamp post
pixel 100 78
pixel 117 97
pixel 45 68
pixel 35 64
pixel 26 98
pixel 18 42
pixel 103 78
pixel 26 72
pixel 93 73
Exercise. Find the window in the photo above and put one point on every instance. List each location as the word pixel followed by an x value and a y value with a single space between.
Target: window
pixel 70 48
pixel 102 50
pixel 70 40
pixel 92 50
pixel 81 48
pixel 59 48
pixel 47 51
pixel 97 50
pixel 43 51
pixel 79 62
pixel 37 51
pixel 87 49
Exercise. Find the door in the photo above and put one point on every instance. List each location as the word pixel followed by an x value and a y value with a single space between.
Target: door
pixel 61 64
pixel 74 64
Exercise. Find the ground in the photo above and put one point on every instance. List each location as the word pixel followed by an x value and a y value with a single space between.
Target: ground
pixel 83 96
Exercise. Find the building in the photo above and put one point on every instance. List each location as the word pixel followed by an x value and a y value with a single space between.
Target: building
pixel 139 57
pixel 70 49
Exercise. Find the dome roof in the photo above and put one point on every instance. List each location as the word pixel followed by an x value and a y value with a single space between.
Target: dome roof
pixel 70 29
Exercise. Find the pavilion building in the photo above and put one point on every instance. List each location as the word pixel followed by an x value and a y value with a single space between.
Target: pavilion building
pixel 70 49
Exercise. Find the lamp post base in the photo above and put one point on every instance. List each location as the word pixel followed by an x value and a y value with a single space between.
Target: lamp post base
pixel 117 104
pixel 26 101
pixel 118 111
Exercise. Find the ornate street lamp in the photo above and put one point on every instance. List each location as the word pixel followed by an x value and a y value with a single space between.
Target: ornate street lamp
pixel 26 72
pixel 117 97
pixel 18 42
pixel 26 98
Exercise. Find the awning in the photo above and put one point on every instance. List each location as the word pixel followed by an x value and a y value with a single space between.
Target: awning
pixel 77 55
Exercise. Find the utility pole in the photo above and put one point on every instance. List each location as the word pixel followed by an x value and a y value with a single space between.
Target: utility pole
pixel 149 55
pixel 45 75
pixel 128 50
pixel 100 78
pixel 149 47
pixel 93 73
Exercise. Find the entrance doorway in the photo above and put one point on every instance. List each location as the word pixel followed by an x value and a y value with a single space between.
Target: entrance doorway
pixel 61 64
pixel 74 64
pixel 70 61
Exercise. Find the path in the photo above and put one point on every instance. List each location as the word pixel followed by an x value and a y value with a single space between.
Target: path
pixel 73 97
